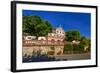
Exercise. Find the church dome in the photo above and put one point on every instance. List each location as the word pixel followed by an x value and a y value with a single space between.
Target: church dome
pixel 60 31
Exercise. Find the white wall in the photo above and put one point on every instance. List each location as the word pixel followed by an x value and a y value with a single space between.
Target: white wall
pixel 5 36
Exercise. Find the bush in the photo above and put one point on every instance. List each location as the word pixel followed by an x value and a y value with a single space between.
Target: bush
pixel 78 47
pixel 68 47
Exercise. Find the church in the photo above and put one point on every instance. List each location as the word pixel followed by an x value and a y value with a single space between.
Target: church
pixel 57 35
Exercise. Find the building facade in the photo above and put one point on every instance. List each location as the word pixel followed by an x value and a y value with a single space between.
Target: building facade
pixel 54 39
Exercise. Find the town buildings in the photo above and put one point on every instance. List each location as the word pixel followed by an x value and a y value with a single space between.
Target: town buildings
pixel 52 44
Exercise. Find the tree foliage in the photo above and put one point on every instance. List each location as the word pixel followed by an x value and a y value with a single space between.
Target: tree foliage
pixel 85 41
pixel 68 47
pixel 36 26
pixel 72 35
pixel 78 47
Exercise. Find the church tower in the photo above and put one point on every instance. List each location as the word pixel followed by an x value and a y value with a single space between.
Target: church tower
pixel 60 32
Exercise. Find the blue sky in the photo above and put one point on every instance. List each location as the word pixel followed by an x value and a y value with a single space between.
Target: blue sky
pixel 67 20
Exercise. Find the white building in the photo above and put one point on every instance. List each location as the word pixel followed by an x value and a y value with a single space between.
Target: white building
pixel 29 37
pixel 60 32
pixel 57 35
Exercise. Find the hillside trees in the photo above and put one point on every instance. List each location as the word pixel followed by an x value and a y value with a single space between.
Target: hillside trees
pixel 72 35
pixel 36 26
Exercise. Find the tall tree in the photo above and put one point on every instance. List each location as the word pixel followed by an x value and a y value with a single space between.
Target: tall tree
pixel 72 35
pixel 86 42
pixel 29 23
pixel 68 47
pixel 36 26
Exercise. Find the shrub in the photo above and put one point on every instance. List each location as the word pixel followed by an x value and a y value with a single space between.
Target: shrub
pixel 68 47
pixel 78 47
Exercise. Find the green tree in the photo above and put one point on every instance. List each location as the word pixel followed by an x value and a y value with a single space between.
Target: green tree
pixel 86 42
pixel 68 47
pixel 29 23
pixel 34 25
pixel 78 47
pixel 75 47
pixel 72 35
pixel 43 28
pixel 48 26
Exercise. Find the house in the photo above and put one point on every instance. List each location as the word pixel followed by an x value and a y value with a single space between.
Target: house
pixel 75 42
pixel 29 37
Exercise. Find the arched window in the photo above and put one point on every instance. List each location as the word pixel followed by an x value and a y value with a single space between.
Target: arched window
pixel 52 40
pixel 58 41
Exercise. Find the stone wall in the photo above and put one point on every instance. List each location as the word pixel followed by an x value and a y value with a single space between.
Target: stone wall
pixel 58 50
